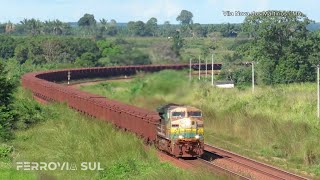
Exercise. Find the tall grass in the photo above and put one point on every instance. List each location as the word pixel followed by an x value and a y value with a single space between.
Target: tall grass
pixel 276 124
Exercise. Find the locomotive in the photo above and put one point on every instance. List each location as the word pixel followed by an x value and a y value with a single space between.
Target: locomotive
pixel 180 131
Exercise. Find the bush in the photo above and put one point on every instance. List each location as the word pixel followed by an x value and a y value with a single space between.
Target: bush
pixel 86 59
pixel 27 111
pixel 7 46
pixel 6 99
pixel 5 152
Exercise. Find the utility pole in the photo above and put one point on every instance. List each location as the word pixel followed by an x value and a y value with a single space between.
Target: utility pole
pixel 199 67
pixel 318 85
pixel 69 76
pixel 252 64
pixel 190 69
pixel 212 70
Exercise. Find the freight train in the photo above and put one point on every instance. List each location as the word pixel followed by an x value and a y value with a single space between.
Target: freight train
pixel 175 129
pixel 180 131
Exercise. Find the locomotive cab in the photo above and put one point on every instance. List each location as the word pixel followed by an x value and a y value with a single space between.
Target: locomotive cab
pixel 181 130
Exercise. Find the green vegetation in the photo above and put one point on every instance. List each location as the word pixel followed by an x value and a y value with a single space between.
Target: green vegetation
pixel 276 124
pixel 283 47
pixel 25 54
pixel 6 100
pixel 57 52
pixel 88 26
pixel 54 133
pixel 66 136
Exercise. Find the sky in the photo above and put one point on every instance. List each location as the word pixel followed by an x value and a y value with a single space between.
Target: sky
pixel 204 11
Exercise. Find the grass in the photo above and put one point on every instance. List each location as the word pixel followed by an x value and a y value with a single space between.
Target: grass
pixel 275 124
pixel 67 136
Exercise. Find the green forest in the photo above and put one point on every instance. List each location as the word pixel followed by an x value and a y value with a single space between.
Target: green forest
pixel 285 50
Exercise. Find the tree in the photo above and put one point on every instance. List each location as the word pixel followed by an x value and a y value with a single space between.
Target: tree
pixel 88 24
pixel 55 27
pixel 167 29
pixel 87 21
pixel 104 22
pixel 87 59
pixel 32 26
pixel 137 28
pixel 152 26
pixel 120 52
pixel 130 57
pixel 112 28
pixel 35 52
pixel 6 99
pixel 185 17
pixel 104 26
pixel 198 30
pixel 130 27
pixel 51 50
pixel 107 48
pixel 21 53
pixel 282 46
pixel 2 28
pixel 7 46
pixel 177 43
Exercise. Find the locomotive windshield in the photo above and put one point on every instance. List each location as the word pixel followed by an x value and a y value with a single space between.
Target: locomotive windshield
pixel 178 114
pixel 194 114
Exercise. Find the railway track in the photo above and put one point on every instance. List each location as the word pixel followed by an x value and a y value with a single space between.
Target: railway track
pixel 260 169
pixel 219 169
pixel 45 88
pixel 199 163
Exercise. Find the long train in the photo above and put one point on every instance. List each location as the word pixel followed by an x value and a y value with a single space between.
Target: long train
pixel 145 124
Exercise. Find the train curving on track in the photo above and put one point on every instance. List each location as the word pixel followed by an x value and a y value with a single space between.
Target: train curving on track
pixel 45 87
pixel 144 123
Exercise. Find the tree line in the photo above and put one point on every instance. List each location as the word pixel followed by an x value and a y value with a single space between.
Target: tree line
pixel 89 26
pixel 70 50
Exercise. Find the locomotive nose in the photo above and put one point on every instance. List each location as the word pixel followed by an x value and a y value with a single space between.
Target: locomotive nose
pixel 185 123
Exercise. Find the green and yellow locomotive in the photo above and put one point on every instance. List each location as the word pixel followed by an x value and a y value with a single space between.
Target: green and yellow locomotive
pixel 180 132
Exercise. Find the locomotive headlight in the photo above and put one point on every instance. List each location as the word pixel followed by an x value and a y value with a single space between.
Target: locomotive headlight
pixel 197 136
pixel 180 136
